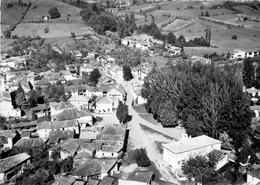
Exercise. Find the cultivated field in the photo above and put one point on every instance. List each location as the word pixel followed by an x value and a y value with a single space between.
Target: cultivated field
pixel 177 24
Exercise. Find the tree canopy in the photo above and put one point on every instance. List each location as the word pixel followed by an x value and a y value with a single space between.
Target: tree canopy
pixel 54 13
pixel 122 113
pixel 200 169
pixel 94 76
pixel 127 73
pixel 206 99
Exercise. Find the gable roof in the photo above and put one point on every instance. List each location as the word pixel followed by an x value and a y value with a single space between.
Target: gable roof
pixel 141 176
pixel 64 180
pixel 8 133
pixel 40 107
pixel 57 124
pixel 69 145
pixel 57 135
pixel 92 182
pixel 95 167
pixel 70 114
pixel 30 142
pixel 24 124
pixel 61 105
pixel 104 100
pixel 189 144
pixel 10 162
pixel 107 181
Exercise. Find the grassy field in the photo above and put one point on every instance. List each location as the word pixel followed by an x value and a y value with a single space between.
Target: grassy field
pixel 69 14
pixel 55 30
pixel 12 15
pixel 177 24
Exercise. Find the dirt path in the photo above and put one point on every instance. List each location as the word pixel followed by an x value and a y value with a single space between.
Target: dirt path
pixel 141 139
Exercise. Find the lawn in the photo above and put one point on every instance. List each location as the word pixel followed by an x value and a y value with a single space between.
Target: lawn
pixel 55 30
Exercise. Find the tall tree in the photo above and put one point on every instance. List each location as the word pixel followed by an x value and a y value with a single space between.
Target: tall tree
pixel 94 76
pixel 122 113
pixel 248 73
pixel 171 38
pixel 127 20
pixel 132 19
pixel 203 97
pixel 127 73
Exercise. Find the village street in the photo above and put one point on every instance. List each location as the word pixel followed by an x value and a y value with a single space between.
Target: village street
pixel 139 138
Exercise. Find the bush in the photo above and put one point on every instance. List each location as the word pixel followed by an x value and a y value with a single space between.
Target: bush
pixel 234 37
pixel 7 33
pixel 46 30
pixel 54 13
pixel 9 5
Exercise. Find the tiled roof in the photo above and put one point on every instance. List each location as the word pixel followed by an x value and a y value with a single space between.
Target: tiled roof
pixel 30 142
pixel 70 114
pixel 104 100
pixel 61 105
pixel 24 124
pixel 69 145
pixel 57 124
pixel 40 107
pixel 92 182
pixel 141 176
pixel 64 180
pixel 189 144
pixel 95 167
pixel 8 133
pixel 56 136
pixel 107 181
pixel 10 162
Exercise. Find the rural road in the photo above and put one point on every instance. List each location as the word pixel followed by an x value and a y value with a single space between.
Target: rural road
pixel 140 139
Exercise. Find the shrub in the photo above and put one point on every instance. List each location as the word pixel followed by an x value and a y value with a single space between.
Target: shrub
pixel 234 37
pixel 9 5
pixel 35 6
pixel 141 158
pixel 46 30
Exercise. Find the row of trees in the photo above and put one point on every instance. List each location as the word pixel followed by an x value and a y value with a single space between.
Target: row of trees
pixel 206 99
pixel 170 38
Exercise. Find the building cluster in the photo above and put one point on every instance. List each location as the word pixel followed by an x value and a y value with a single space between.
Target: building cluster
pixel 239 54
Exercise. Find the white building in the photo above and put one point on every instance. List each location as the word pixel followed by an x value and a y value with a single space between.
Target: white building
pixel 177 152
pixel 104 105
pixel 6 107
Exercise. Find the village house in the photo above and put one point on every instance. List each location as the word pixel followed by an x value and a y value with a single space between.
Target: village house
pixel 86 151
pixel 68 75
pixel 137 178
pixel 79 101
pixel 83 117
pixel 113 141
pixel 66 148
pixel 173 50
pixel 57 136
pixel 6 107
pixel 73 68
pixel 18 62
pixel 12 166
pixel 116 93
pixel 41 110
pixel 86 68
pixel 44 128
pixel 8 138
pixel 96 169
pixel 115 71
pixel 89 133
pixel 104 105
pixel 108 181
pixel 57 108
pixel 177 152
pixel 43 83
pixel 139 100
